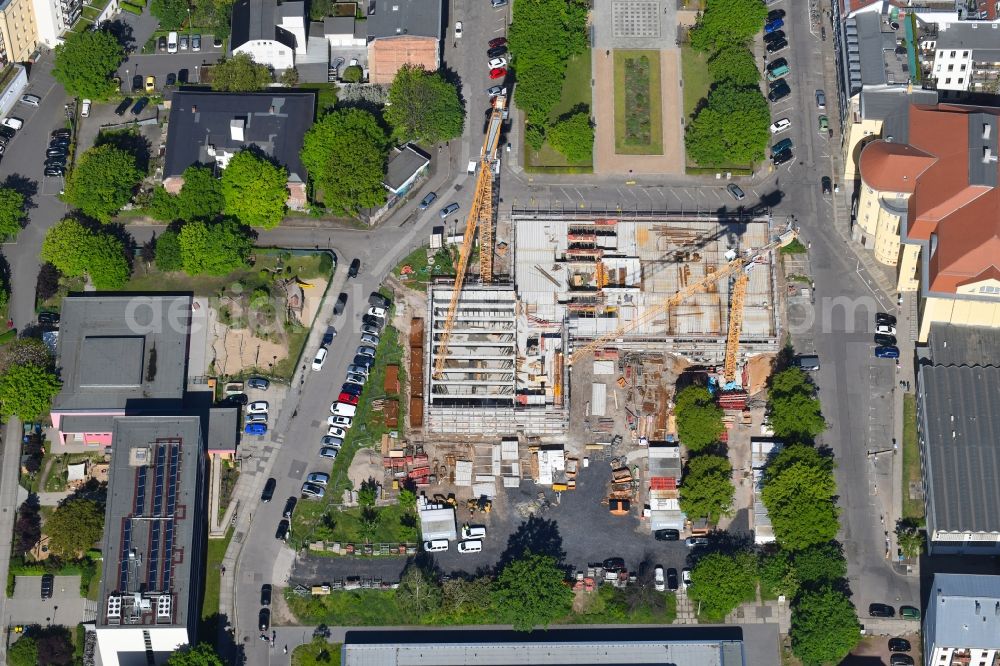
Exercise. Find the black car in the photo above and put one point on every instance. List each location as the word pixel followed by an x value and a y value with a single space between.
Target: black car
pixel 351 389
pixel 826 184
pixel 775 64
pixel 881 610
pixel 137 83
pixel 667 535
pixel 182 76
pixel 779 91
pixel 328 338
pixel 778 45
pixel 171 79
pixel 899 645
pixel 289 507
pixel 775 14
pixel 237 399
pixel 265 594
pixel 139 105
pixel 377 300
pixel 56 152
pixel 258 383
pixel 161 44
pixel 61 132
pixel 281 534
pixel 48 582
pixel 123 106
pixel 55 171
pixel 7 132
pixel 885 340
pixel 672 580
pixel 782 157
pixel 776 36
pixel 48 318
pixel 365 362
pixel 338 307
pixel 614 564
pixel 352 272
pixel 264 619
pixel 885 318
pixel 899 659
pixel 372 320
pixel 55 165
pixel 496 51
pixel 268 492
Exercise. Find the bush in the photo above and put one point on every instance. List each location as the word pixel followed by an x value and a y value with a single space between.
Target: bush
pixel 353 74
pixel 131 9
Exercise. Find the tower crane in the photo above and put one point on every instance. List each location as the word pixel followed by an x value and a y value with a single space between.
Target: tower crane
pixel 738 265
pixel 480 218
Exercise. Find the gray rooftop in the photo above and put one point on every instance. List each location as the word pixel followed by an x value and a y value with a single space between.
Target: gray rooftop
pixel 338 25
pixel 156 475
pixel 223 429
pixel 966 611
pixel 964 345
pixel 403 165
pixel 680 646
pixel 201 121
pixel 982 172
pixel 960 427
pixel 118 349
pixel 971 36
pixel 892 106
pixel 395 18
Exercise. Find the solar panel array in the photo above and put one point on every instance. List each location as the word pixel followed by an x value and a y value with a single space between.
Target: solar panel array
pixel 154 555
pixel 126 546
pixel 168 541
pixel 140 492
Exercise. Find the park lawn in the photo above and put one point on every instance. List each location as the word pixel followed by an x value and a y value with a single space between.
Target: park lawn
pixel 697 80
pixel 912 508
pixel 347 526
pixel 575 91
pixel 318 652
pixel 630 109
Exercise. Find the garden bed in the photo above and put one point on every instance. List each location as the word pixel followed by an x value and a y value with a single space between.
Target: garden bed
pixel 638 110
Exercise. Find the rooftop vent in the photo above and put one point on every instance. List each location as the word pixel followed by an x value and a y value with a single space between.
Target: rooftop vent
pixel 194 108
pixel 986 130
pixel 988 155
pixel 236 126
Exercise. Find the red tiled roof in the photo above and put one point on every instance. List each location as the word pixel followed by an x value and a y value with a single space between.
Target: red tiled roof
pixel 892 167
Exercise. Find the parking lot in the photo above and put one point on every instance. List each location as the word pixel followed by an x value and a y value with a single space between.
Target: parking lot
pixel 159 65
pixel 65 607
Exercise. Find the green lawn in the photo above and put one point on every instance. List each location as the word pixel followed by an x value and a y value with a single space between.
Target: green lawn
pixel 697 80
pixel 575 91
pixel 912 508
pixel 421 271
pixel 393 525
pixel 317 653
pixel 213 578
pixel 638 109
pixel 326 95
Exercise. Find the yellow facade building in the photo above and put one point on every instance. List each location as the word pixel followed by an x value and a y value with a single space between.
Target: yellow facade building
pixel 18 30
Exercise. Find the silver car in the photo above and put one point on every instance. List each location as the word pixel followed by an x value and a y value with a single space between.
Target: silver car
pixel 365 350
pixel 357 370
pixel 370 339
pixel 319 478
pixel 312 490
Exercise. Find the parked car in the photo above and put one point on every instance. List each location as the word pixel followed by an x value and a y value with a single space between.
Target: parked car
pixel 171 79
pixel 352 272
pixel 258 383
pixel 196 42
pixel 312 490
pixel 161 44
pixel 436 546
pixel 319 478
pixel 694 542
pixel 659 579
pixel 909 612
pixel 369 320
pixel 150 85
pixel 48 584
pixel 376 311
pixel 824 124
pixel 775 14
pixel 782 157
pixel 497 62
pixel 338 307
pixel 34 100
pixel 899 645
pixel 826 184
pixel 776 45
pixel 498 3
pixel 268 493
pixel 885 318
pixel 48 318
pixel 458 30
pixel 357 370
pixel 496 51
pixel 498 73
pixel 473 531
pixel 319 359
pixel 371 330
pixel 667 535
pixel 257 407
pixel 377 300
pixel 348 398
pixel 182 75
pixel 820 100
pixel 427 200
pixel 885 340
pixel 365 362
pixel 881 610
pixel 255 429
pixel 899 659
pixel 139 105
pixel 334 431
pixel 264 619
pixel 885 329
pixel 449 209
pixel 773 26
pixel 672 580
pixel 328 337
pixel 137 83
pixel 281 534
pixel 55 171
pixel 473 546
pixel 13 123
pixel 776 36
pixel 237 399
pixel 335 442
pixel 365 350
pixel 736 191
pixel 265 594
pixel 495 91
pixel 342 421
pixel 685 579
pixel 779 91
pixel 777 73
pixel 257 418
pixel 328 452
pixel 614 564
pixel 7 133
pixel 172 42
pixel 497 41
pixel 784 144
pixel 123 106
pixel 184 42
pixel 289 507
pixel 352 389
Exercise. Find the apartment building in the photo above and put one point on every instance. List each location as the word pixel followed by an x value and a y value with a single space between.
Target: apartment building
pixel 962 624
pixel 965 56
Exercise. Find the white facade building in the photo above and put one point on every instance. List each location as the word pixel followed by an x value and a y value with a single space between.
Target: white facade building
pixel 962 623
pixel 964 52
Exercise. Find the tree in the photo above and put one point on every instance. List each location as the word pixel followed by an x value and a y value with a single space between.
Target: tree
pixel 793 409
pixel 534 135
pixel 25 351
pixel 352 74
pixel 103 181
pixel 202 654
pixel 418 593
pixel 168 252
pixel 85 63
pixel 777 574
pixel 163 205
pixel 345 154
pixel 732 128
pixel 24 652
pixel 467 601
pixel 727 22
pixel 148 251
pixel 55 647
pixel 171 13
pixel 77 250
pixel 255 190
pixel 539 88
pixel 821 565
pixel 28 528
pixel 531 592
pixel 240 74
pixel 720 583
pixel 423 107
pixel 215 248
pixel 909 537
pixel 735 64
pixel 47 283
pixel 707 489
pixel 824 627
pixel 368 492
pixel 699 419
pixel 74 527
pixel 201 196
pixel 290 77
pixel 12 213
pixel 573 136
pixel 26 391
pixel 407 499
pixel 798 493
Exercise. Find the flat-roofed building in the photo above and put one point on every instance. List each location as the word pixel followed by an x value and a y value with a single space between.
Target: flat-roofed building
pixel 962 622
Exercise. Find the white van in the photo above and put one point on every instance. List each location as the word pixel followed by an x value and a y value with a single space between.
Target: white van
pixel 475 546
pixel 172 43
pixel 473 531
pixel 436 546
pixel 343 409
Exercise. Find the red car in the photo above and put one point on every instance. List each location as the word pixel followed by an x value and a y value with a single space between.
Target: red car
pixel 348 398
pixel 498 73
pixel 498 41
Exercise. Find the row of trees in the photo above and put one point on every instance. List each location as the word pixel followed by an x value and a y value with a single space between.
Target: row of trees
pixel 731 126
pixel 706 490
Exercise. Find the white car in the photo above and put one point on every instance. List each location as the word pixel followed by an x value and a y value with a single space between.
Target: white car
pixel 34 100
pixel 377 312
pixel 685 579
pixel 458 29
pixel 13 123
pixel 474 546
pixel 369 339
pixel 885 329
pixel 342 421
pixel 659 582
pixel 780 125
pixel 258 407
pixel 85 109
pixel 319 359
pixel 498 62
pixel 334 431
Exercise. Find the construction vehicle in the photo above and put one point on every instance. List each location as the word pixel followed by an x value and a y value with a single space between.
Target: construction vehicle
pixel 480 219
pixel 736 265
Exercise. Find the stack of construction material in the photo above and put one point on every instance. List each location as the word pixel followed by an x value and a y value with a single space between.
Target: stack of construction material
pixel 416 372
pixel 664 476
pixel 405 464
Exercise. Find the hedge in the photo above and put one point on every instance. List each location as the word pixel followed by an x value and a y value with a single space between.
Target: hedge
pixel 129 7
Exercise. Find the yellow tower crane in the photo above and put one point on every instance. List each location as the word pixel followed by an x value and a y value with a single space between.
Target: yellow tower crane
pixel 481 219
pixel 738 264
pixel 735 326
